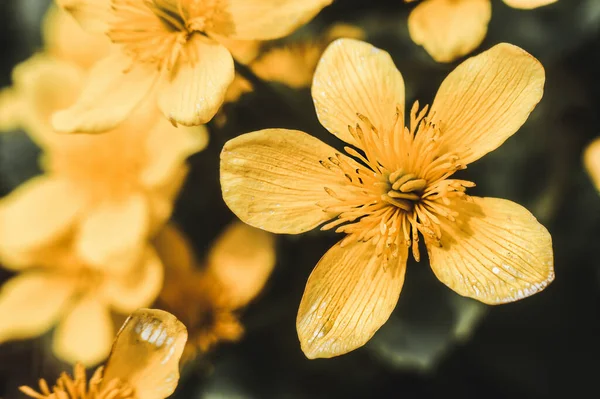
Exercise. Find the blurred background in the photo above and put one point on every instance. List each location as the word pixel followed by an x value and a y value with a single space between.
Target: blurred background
pixel 435 343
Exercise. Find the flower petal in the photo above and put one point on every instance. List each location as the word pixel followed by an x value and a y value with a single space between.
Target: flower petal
pixel 348 296
pixel 37 212
pixel 136 289
pixel 272 179
pixel 486 99
pixel 591 160
pixel 114 234
pixel 65 39
pixel 93 15
pixel 31 302
pixel 242 259
pixel 115 87
pixel 168 147
pixel 449 29
pixel 269 19
pixel 355 77
pixel 146 353
pixel 193 92
pixel 86 333
pixel 496 251
pixel 528 4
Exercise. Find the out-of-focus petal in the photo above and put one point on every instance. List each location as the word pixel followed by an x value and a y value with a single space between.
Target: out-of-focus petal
pixel 591 160
pixel 449 29
pixel 348 296
pixel 85 334
pixel 67 40
pixel 193 91
pixel 31 303
pixel 268 19
pixel 93 15
pixel 243 51
pixel 37 212
pixel 168 147
pixel 116 85
pixel 114 233
pixel 45 84
pixel 496 251
pixel 528 4
pixel 136 289
pixel 355 77
pixel 242 259
pixel 146 353
pixel 486 99
pixel 174 250
pixel 272 179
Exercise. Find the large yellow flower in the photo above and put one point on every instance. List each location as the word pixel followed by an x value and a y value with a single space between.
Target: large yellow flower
pixel 449 29
pixel 111 191
pixel 396 185
pixel 170 50
pixel 207 297
pixel 56 287
pixel 143 364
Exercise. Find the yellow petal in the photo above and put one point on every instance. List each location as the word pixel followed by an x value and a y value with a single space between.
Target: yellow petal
pixel 242 259
pixel 495 252
pixel 272 179
pixel 115 87
pixel 243 51
pixel 354 77
pixel 93 15
pixel 161 199
pixel 168 147
pixel 45 84
pixel 36 213
pixel 11 109
pixel 86 333
pixel 31 303
pixel 174 250
pixel 114 233
pixel 348 296
pixel 528 4
pixel 195 89
pixel 65 39
pixel 486 99
pixel 449 29
pixel 591 159
pixel 269 19
pixel 136 289
pixel 146 353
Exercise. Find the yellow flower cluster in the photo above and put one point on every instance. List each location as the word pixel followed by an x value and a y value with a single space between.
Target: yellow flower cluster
pixel 118 107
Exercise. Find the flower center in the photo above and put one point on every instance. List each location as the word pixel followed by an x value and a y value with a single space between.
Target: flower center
pixel 400 189
pixel 77 387
pixel 157 31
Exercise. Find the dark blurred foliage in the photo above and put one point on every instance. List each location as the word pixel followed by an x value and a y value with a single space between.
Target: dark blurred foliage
pixel 435 343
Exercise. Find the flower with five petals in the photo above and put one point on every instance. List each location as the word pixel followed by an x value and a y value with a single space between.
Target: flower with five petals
pixel 396 185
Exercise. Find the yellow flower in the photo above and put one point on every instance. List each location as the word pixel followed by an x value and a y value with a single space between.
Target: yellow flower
pixel 143 364
pixel 170 50
pixel 396 185
pixel 449 29
pixel 206 298
pixel 111 191
pixel 55 286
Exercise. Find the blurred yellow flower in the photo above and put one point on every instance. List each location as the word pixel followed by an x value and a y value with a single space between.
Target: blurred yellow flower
pixel 55 286
pixel 143 364
pixel 170 50
pixel 396 185
pixel 207 297
pixel 111 192
pixel 449 29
